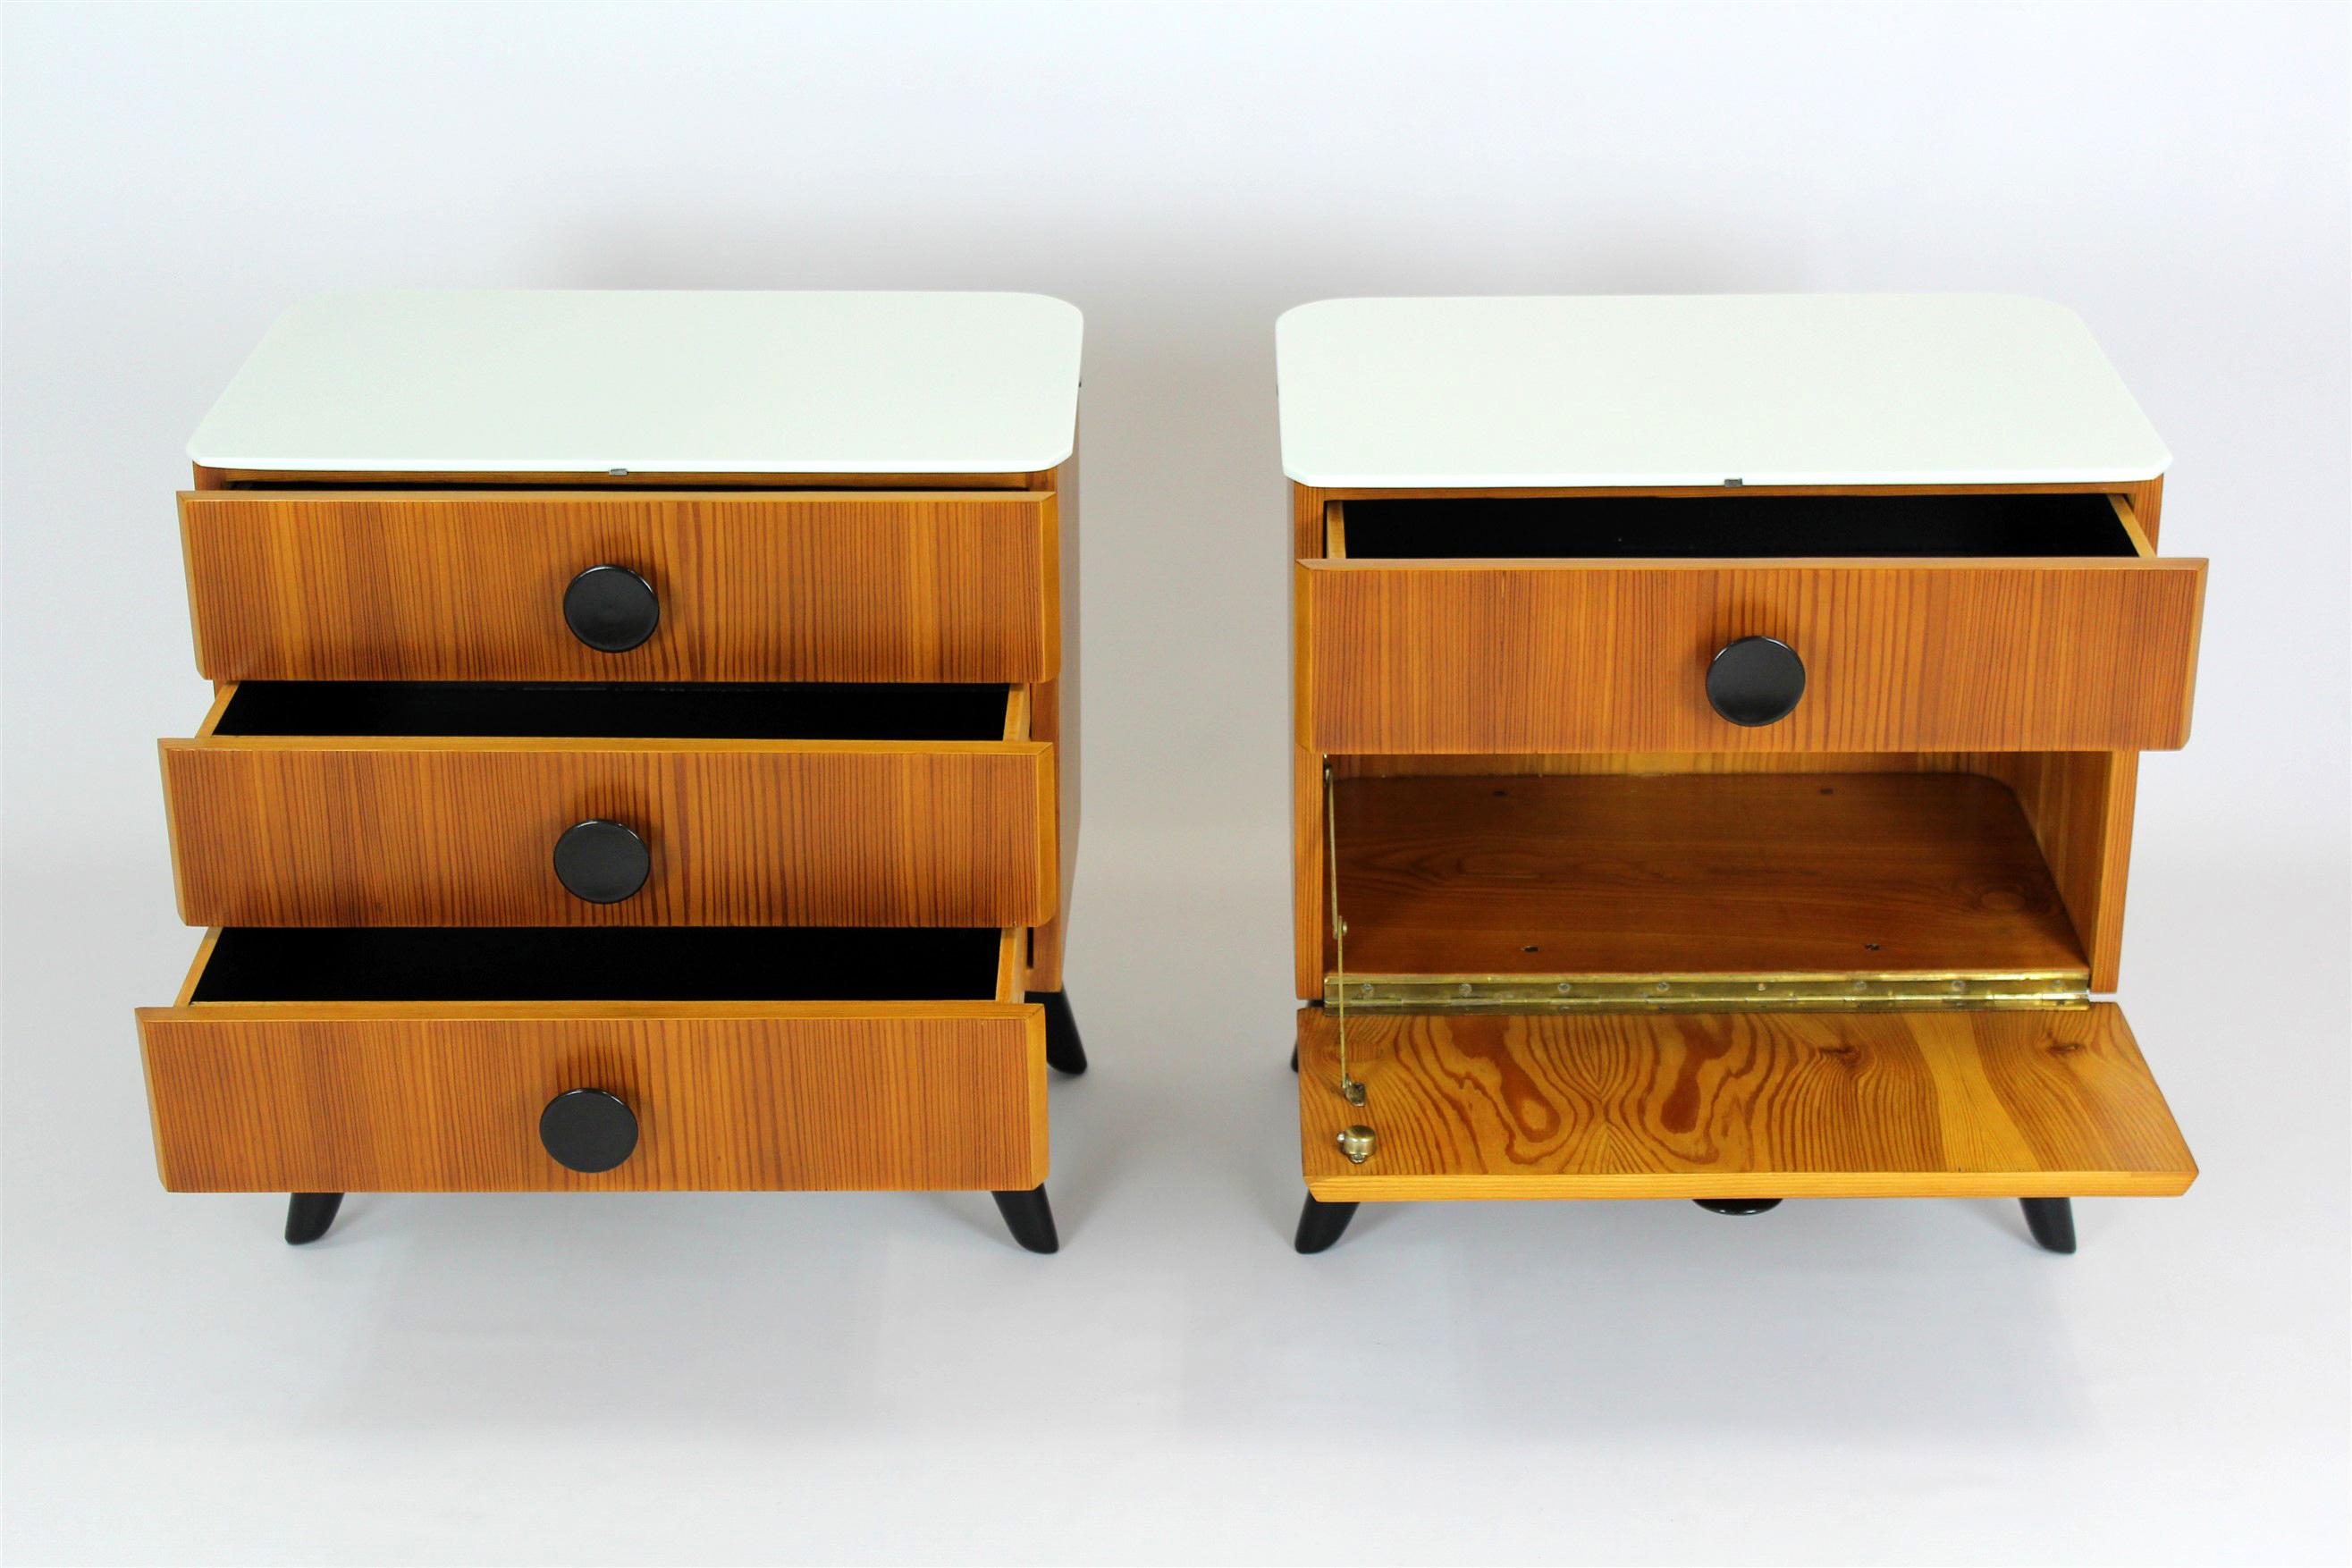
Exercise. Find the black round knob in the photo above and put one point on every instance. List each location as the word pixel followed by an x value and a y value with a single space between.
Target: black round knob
pixel 610 608
pixel 1756 680
pixel 602 862
pixel 588 1130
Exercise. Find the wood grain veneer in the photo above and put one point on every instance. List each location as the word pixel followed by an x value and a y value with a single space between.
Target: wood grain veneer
pixel 468 586
pixel 411 1098
pixel 439 831
pixel 1693 874
pixel 2080 804
pixel 1053 716
pixel 1552 657
pixel 2026 1104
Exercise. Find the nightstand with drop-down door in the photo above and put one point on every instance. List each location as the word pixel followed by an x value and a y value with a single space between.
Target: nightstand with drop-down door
pixel 1717 725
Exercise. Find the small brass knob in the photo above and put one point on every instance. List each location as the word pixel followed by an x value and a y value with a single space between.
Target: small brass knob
pixel 1357 1143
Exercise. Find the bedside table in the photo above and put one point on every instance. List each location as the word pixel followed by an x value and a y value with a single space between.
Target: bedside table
pixel 1716 727
pixel 642 754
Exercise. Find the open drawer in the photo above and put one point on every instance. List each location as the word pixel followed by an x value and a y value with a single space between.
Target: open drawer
pixel 448 1060
pixel 365 803
pixel 321 584
pixel 1963 1103
pixel 1988 621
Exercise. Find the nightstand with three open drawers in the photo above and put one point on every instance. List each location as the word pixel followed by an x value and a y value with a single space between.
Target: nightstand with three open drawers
pixel 642 756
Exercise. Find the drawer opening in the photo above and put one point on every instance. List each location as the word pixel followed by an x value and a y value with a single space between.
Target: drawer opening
pixel 1695 890
pixel 705 964
pixel 1730 525
pixel 643 709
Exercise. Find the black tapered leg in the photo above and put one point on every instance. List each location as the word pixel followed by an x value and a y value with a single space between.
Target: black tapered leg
pixel 1294 1058
pixel 2052 1221
pixel 1737 1206
pixel 1030 1218
pixel 308 1216
pixel 1321 1223
pixel 1064 1051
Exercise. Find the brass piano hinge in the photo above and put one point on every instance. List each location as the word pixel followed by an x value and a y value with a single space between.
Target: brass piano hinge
pixel 1859 992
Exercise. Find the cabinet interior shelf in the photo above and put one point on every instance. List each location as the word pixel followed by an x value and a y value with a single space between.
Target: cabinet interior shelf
pixel 1696 874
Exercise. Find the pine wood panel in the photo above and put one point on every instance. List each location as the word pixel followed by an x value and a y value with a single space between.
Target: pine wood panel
pixel 293 1098
pixel 1917 656
pixel 1696 874
pixel 2054 1103
pixel 468 586
pixel 2080 804
pixel 405 831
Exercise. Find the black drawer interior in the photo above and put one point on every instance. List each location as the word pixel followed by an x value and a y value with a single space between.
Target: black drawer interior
pixel 618 709
pixel 1647 527
pixel 611 964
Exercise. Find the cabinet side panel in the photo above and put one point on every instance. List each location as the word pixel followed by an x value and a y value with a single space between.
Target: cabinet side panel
pixel 1053 716
pixel 1310 939
pixel 2080 804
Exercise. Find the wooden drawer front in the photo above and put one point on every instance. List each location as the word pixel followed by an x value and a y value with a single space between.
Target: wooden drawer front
pixel 939 587
pixel 274 831
pixel 364 1097
pixel 1434 657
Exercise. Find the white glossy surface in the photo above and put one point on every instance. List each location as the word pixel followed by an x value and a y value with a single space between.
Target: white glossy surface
pixel 1789 389
pixel 587 382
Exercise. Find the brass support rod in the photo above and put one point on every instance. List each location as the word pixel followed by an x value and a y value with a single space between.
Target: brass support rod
pixel 1350 1089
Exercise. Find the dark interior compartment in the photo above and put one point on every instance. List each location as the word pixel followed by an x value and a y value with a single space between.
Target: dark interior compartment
pixel 1646 527
pixel 533 963
pixel 616 709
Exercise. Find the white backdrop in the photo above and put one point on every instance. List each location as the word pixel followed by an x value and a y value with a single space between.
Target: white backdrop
pixel 743 1377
